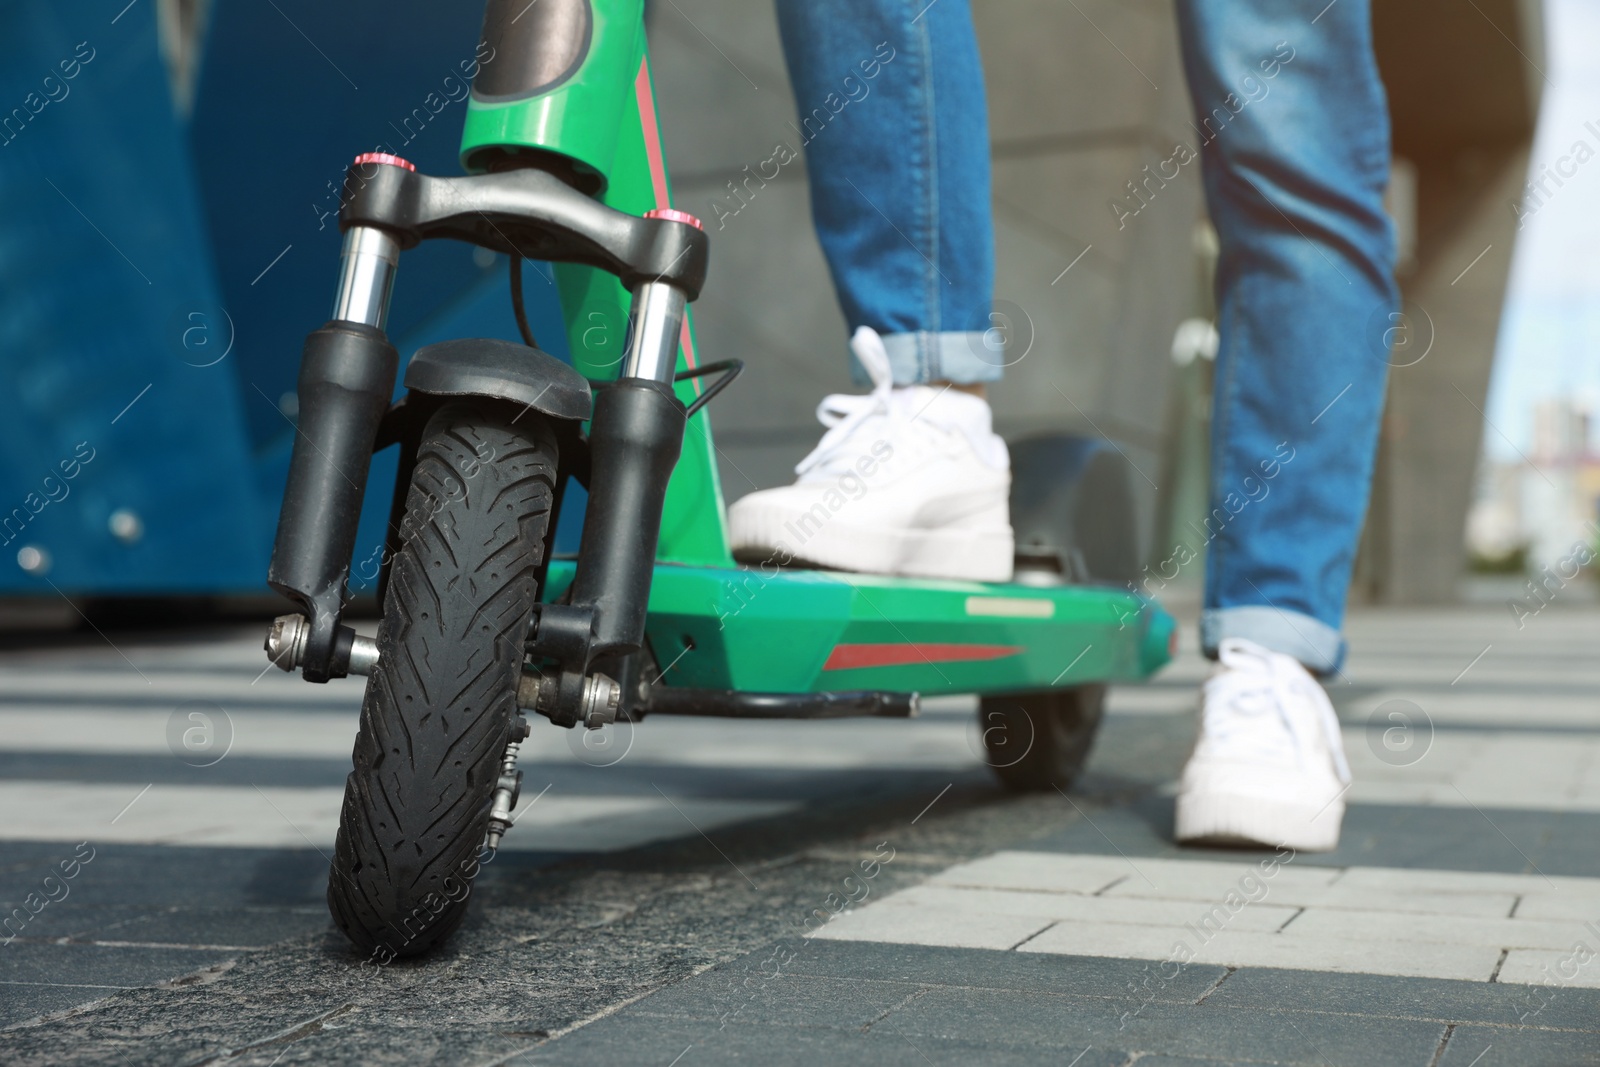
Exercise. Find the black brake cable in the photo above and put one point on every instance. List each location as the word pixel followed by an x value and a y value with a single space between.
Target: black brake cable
pixel 732 368
pixel 729 368
pixel 517 306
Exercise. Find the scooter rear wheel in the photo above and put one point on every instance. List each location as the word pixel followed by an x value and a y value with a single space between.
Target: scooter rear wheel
pixel 1039 741
pixel 1072 507
pixel 440 702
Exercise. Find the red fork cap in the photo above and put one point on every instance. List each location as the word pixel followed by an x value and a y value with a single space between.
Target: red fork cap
pixel 674 215
pixel 384 157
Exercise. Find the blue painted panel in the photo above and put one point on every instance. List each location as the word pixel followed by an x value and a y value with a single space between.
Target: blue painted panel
pixel 192 255
pixel 289 93
pixel 103 261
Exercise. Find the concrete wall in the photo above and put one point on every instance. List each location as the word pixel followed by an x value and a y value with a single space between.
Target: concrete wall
pixel 1082 96
pixel 1072 120
pixel 1464 84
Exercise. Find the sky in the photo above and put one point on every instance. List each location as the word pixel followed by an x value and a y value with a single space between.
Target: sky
pixel 1549 341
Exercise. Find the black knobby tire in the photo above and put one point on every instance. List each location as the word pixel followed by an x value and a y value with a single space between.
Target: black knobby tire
pixel 1073 511
pixel 1040 741
pixel 439 705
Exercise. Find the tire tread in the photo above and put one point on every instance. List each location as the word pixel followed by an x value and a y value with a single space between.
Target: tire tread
pixel 438 707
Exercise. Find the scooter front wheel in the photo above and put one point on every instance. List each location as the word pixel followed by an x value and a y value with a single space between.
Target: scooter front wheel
pixel 440 703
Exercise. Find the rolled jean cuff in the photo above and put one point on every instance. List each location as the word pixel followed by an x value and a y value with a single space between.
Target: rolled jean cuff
pixel 1314 643
pixel 928 356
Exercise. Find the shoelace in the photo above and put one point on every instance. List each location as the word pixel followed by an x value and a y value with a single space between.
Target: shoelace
pixel 1255 683
pixel 844 413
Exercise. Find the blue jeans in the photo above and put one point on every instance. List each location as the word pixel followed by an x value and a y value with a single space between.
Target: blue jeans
pixel 1292 132
pixel 1295 166
pixel 896 137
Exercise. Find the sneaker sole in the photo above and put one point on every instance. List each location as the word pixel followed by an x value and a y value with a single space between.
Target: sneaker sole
pixel 981 554
pixel 1230 819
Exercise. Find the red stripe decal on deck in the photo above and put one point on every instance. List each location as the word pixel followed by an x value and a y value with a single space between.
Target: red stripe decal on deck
pixel 686 339
pixel 652 133
pixel 855 657
pixel 646 98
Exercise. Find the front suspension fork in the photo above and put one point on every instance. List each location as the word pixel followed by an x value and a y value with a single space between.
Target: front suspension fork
pixel 634 442
pixel 347 376
pixel 635 438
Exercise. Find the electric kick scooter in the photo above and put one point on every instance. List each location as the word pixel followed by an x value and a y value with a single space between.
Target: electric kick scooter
pixel 480 624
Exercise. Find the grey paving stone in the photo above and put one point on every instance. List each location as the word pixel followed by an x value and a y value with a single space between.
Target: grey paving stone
pixel 303 700
pixel 1088 976
pixel 20 1001
pixel 137 770
pixel 100 965
pixel 625 1041
pixel 1419 998
pixel 1465 839
pixel 995 1001
pixel 241 927
pixel 1476 1046
pixel 550 943
pixel 1379 835
pixel 225 924
pixel 64 918
pixel 1012 1018
pixel 1134 751
pixel 161 876
pixel 755 998
pixel 756 783
pixel 395 1040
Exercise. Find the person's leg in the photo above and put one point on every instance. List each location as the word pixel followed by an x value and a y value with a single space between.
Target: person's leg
pixel 910 479
pixel 894 128
pixel 1294 133
pixel 1295 149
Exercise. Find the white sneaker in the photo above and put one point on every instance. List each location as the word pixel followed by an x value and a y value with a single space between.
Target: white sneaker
pixel 908 480
pixel 1268 766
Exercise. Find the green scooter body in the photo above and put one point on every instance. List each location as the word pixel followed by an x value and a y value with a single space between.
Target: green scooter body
pixel 714 624
pixel 803 631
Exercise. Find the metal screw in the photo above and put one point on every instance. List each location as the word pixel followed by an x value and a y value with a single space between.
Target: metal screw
pixel 126 526
pixel 33 559
pixel 286 641
pixel 601 698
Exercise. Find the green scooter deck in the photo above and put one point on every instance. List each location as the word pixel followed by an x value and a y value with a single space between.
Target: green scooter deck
pixel 713 624
pixel 804 631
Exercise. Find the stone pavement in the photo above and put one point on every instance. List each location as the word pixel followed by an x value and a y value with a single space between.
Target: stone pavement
pixel 172 808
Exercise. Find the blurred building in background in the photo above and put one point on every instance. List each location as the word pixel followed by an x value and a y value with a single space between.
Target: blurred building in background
pixel 170 240
pixel 1537 484
pixel 1082 97
pixel 1465 84
pixel 1533 510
